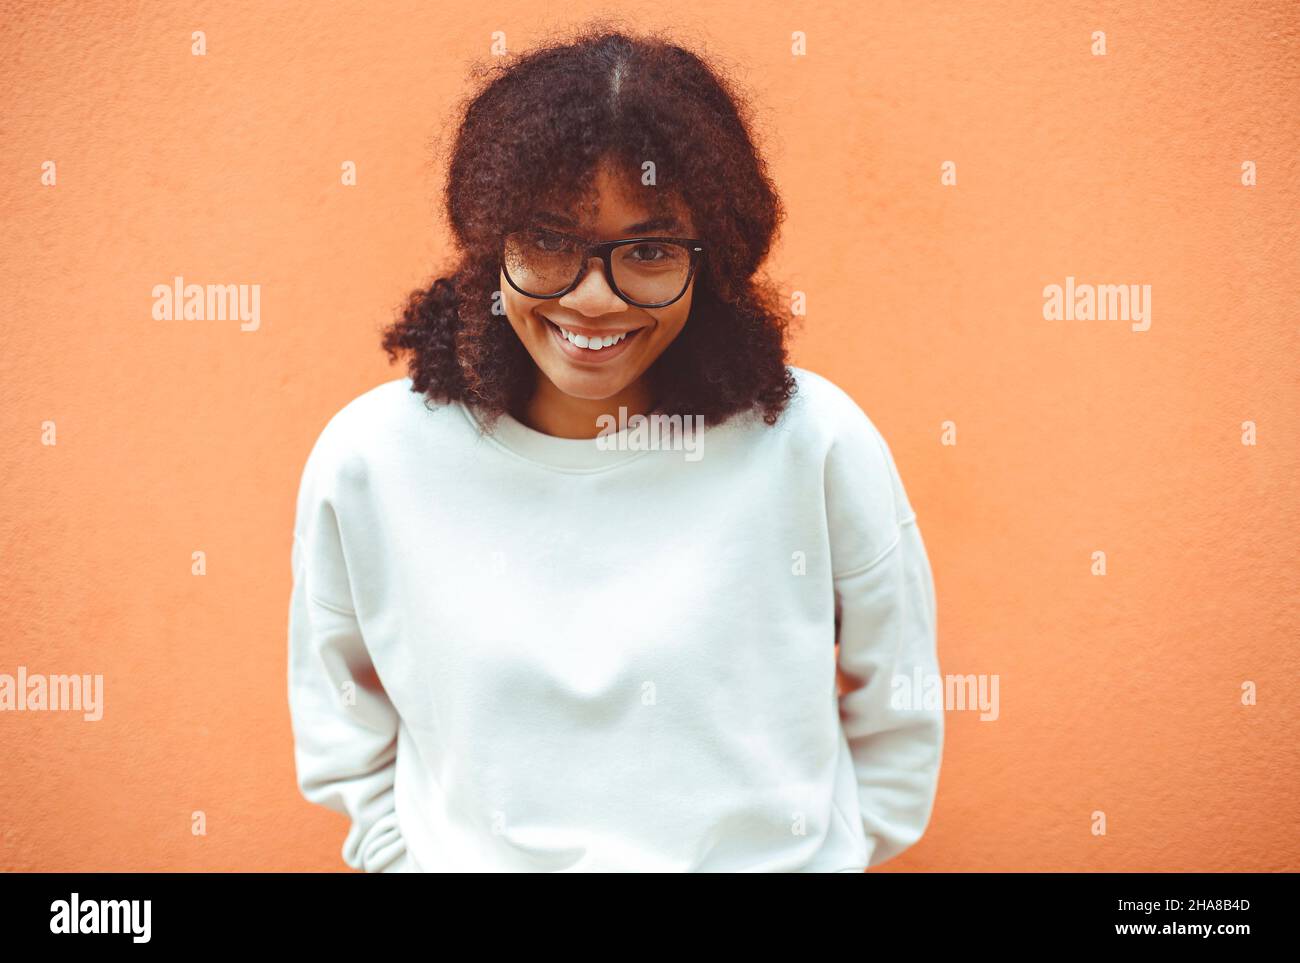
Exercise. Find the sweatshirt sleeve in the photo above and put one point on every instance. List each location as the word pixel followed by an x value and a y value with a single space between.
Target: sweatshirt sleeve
pixel 344 726
pixel 886 631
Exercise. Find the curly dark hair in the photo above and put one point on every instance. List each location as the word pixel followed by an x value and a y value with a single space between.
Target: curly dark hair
pixel 532 131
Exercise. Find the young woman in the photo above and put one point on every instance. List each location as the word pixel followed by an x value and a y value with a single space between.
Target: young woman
pixel 574 593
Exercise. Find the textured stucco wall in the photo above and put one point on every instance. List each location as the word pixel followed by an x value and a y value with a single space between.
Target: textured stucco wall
pixel 1118 693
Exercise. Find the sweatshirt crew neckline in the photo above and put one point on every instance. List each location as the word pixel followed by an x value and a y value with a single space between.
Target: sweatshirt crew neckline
pixel 550 451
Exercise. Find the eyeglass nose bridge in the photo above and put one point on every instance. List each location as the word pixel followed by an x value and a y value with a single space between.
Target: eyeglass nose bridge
pixel 606 269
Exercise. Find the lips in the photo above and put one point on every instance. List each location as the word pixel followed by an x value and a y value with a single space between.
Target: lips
pixel 579 347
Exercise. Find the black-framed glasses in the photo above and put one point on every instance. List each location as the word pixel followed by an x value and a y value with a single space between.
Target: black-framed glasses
pixel 646 272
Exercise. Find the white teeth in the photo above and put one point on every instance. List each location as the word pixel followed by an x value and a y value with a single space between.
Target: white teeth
pixel 592 344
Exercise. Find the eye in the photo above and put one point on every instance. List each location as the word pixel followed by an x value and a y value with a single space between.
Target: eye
pixel 648 253
pixel 550 242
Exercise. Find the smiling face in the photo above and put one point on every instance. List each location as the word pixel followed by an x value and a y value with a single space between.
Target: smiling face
pixel 630 338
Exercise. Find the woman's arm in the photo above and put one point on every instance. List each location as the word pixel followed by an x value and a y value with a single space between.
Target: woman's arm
pixel 886 618
pixel 886 631
pixel 344 726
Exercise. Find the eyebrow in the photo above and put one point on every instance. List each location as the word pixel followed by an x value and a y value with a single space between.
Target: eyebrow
pixel 658 223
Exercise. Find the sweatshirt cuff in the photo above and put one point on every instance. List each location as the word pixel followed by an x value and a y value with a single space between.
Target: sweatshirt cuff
pixel 402 864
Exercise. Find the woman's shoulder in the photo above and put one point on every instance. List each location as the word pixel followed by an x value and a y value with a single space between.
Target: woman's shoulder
pixel 384 401
pixel 857 455
pixel 819 402
pixel 374 424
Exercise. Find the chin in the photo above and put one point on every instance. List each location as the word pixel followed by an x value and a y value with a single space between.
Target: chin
pixel 596 388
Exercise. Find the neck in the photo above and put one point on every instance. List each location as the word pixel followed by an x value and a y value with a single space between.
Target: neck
pixel 552 412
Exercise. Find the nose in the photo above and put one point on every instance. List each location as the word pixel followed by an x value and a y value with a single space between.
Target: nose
pixel 593 296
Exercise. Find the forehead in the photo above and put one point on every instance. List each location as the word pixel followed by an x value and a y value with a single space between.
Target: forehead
pixel 613 204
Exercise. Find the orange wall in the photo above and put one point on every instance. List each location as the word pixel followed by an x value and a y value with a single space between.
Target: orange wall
pixel 1118 693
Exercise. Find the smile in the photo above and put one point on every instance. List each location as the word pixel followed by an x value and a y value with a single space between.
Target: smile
pixel 591 348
